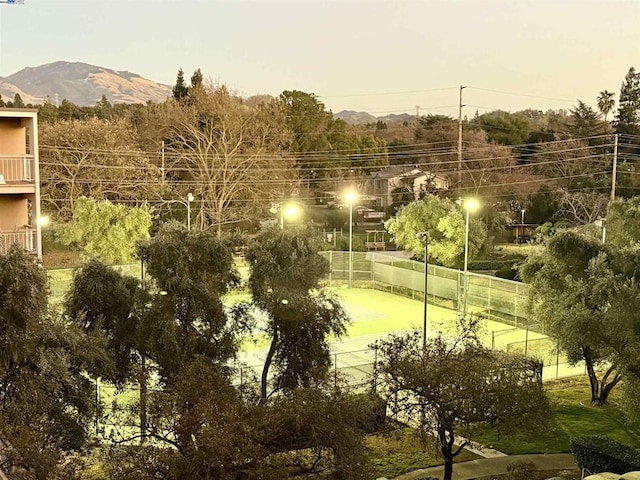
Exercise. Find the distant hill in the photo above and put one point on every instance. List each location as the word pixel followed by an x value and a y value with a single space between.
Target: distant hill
pixel 80 83
pixel 361 118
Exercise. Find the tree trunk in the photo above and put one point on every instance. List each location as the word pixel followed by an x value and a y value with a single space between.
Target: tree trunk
pixel 144 378
pixel 593 378
pixel 605 388
pixel 267 363
pixel 600 389
pixel 446 447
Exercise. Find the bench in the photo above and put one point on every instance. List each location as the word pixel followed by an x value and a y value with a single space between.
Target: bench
pixel 375 245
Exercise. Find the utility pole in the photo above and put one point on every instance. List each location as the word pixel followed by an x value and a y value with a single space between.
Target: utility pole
pixel 462 87
pixel 615 167
pixel 162 161
pixel 417 112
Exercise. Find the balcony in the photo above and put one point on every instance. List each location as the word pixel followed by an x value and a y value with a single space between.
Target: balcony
pixel 17 169
pixel 17 174
pixel 25 239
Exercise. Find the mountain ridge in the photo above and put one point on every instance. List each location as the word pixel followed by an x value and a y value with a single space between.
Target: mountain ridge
pixel 84 84
pixel 80 83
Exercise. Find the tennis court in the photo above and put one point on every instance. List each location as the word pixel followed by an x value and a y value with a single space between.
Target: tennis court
pixel 375 314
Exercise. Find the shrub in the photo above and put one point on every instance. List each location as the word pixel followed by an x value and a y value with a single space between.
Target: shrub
pixel 598 453
pixel 508 271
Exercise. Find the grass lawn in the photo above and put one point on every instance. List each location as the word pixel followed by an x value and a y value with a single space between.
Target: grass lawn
pixel 396 450
pixel 572 416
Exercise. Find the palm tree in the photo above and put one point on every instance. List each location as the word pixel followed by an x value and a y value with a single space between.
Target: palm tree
pixel 606 103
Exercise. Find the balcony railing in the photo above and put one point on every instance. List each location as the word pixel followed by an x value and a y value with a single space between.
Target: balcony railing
pixel 25 239
pixel 17 168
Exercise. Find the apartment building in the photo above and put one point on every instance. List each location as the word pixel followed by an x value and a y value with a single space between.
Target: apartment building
pixel 19 181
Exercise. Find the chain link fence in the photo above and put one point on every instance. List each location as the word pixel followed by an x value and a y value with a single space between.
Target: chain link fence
pixel 497 300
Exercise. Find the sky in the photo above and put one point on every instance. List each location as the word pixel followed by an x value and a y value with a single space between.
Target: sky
pixel 377 56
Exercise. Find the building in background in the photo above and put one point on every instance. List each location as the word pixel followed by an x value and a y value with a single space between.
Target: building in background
pixel 19 181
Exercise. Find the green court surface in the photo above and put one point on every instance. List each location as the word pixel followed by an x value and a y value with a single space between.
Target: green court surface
pixel 375 315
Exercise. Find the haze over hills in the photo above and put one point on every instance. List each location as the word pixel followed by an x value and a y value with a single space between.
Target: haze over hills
pixel 80 83
pixel 84 85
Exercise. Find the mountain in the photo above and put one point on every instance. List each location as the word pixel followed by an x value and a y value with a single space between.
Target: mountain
pixel 361 118
pixel 80 83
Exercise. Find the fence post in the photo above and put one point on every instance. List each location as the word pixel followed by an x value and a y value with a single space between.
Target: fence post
pixel 373 268
pixel 526 341
pixel 97 404
pixel 557 357
pixel 515 304
pixel 493 339
pixel 330 265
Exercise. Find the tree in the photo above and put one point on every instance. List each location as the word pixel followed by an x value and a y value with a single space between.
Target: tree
pixel 445 223
pixel 341 152
pixel 452 387
pixel 622 222
pixel 17 101
pixel 196 80
pixel 585 121
pixel 229 154
pixel 286 270
pixel 97 159
pixel 46 403
pixel 206 428
pixel 572 285
pixel 606 101
pixel 628 117
pixel 180 89
pixel 193 271
pixel 105 230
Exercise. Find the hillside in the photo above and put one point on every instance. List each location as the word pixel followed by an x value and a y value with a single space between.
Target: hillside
pixel 80 83
pixel 362 118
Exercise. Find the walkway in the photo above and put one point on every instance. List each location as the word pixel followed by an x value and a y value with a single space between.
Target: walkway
pixel 487 467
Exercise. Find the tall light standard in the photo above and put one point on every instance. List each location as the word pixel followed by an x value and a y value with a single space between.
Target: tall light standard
pixel 290 210
pixel 424 236
pixel 190 198
pixel 351 196
pixel 469 205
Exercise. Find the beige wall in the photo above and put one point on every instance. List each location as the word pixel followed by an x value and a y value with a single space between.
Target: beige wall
pixel 14 213
pixel 12 137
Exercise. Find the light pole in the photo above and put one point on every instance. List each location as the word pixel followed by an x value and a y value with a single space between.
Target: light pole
pixel 190 198
pixel 424 236
pixel 469 205
pixel 289 209
pixel 351 197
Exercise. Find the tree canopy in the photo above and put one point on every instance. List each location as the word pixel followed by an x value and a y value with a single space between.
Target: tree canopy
pixel 445 223
pixel 453 386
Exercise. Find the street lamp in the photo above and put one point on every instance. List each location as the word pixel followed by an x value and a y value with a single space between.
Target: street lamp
pixel 351 196
pixel 469 205
pixel 190 198
pixel 424 236
pixel 290 210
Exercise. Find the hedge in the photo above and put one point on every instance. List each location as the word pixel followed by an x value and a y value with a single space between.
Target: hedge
pixel 598 453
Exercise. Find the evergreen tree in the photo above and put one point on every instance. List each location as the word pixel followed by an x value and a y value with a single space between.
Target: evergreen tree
pixel 196 79
pixel 2 104
pixel 180 90
pixel 628 119
pixel 585 121
pixel 17 101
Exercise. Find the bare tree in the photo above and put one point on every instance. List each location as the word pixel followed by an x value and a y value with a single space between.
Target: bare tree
pixel 228 154
pixel 93 158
